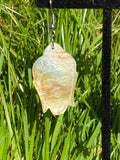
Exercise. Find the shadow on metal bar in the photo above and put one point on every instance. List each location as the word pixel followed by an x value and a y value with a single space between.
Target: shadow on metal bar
pixel 107 6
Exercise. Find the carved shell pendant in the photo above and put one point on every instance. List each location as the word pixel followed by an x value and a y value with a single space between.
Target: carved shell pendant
pixel 54 77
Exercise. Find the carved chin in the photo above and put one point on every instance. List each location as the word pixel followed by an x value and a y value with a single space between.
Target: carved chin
pixel 54 80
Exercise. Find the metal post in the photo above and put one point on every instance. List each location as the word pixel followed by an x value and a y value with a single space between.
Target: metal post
pixel 106 85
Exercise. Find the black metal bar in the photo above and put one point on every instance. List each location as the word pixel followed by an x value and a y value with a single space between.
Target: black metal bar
pixel 79 4
pixel 106 85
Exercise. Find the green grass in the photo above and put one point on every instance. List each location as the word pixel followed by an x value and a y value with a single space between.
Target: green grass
pixel 27 133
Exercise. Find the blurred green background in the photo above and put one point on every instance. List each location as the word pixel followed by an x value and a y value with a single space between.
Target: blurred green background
pixel 25 132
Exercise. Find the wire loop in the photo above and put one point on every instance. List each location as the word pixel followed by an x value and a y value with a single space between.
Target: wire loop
pixel 52 25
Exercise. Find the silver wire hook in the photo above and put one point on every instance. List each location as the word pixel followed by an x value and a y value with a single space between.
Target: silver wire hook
pixel 50 4
pixel 52 25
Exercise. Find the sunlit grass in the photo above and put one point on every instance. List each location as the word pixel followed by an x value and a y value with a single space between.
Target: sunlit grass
pixel 27 133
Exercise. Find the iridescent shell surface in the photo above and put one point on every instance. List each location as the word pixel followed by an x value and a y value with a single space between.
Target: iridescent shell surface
pixel 54 77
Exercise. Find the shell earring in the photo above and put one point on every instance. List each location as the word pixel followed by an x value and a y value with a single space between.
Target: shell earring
pixel 55 76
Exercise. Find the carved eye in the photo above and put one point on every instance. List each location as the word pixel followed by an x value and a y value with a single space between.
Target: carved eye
pixel 54 77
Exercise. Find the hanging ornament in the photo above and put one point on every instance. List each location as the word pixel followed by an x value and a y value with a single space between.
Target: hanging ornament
pixel 55 76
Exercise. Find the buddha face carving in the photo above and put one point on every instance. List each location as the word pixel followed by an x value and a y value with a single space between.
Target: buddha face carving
pixel 54 77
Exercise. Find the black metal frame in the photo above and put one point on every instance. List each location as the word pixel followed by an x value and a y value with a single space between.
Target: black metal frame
pixel 107 6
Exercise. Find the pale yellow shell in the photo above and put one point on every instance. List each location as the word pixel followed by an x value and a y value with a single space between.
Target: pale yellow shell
pixel 54 77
